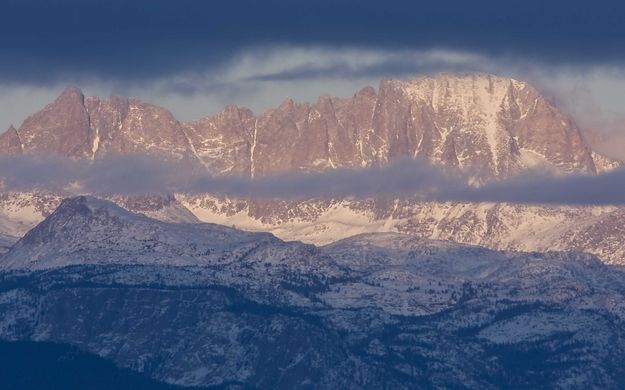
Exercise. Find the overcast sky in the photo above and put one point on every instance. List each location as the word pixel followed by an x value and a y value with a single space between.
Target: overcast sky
pixel 194 57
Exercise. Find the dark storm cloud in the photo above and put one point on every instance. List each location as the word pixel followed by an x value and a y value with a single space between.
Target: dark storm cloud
pixel 44 40
pixel 404 179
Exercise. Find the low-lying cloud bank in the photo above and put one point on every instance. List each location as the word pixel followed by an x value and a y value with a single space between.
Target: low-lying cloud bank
pixel 132 175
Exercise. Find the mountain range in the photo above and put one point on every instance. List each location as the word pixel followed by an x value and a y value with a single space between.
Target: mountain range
pixel 183 290
pixel 194 304
pixel 491 126
pixel 496 126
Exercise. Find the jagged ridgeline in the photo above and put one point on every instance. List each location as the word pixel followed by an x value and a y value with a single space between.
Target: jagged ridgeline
pixel 494 126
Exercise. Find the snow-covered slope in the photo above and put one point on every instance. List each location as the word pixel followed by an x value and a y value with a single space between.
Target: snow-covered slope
pixel 21 211
pixel 502 226
pixel 86 230
pixel 89 231
pixel 6 242
pixel 196 304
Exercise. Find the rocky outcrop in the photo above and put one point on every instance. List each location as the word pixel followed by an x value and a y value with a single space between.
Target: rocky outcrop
pixel 10 142
pixel 129 126
pixel 76 126
pixel 61 128
pixel 224 142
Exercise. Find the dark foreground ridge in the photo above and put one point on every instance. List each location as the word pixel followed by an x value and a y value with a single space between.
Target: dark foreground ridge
pixel 27 365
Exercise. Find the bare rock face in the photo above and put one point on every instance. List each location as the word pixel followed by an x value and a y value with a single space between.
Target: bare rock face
pixel 496 126
pixel 129 126
pixel 492 126
pixel 78 127
pixel 223 142
pixel 10 143
pixel 61 128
